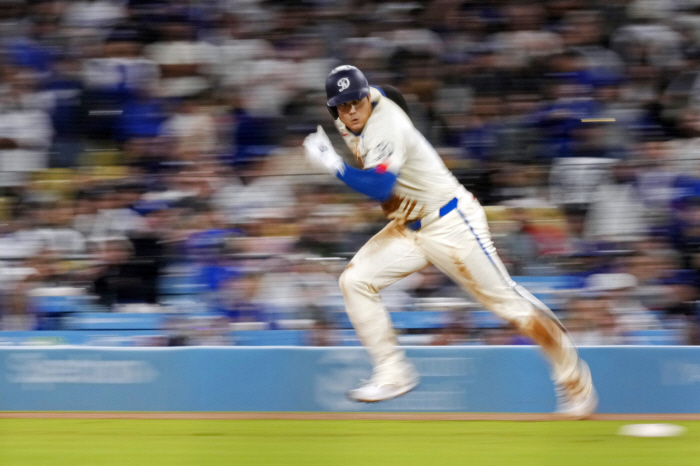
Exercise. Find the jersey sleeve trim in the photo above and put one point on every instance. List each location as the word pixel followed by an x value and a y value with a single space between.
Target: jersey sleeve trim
pixel 381 168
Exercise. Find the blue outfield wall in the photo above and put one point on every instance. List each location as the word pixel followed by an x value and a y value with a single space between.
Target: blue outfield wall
pixel 454 379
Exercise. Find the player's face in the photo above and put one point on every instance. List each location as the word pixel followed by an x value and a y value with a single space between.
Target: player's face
pixel 354 114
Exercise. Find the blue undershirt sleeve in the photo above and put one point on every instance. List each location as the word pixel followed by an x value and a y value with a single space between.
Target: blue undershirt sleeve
pixel 375 183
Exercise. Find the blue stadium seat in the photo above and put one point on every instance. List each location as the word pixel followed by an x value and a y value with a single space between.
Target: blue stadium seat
pixel 179 285
pixel 553 282
pixel 420 319
pixel 346 337
pixel 77 337
pixel 486 319
pixel 341 320
pixel 114 321
pixel 548 288
pixel 270 337
pixel 62 303
pixel 54 304
pixel 404 319
pixel 655 337
pixel 185 303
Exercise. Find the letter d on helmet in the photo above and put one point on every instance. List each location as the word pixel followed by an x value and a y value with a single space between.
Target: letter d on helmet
pixel 343 84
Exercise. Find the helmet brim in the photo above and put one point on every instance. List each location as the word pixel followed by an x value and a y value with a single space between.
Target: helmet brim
pixel 347 96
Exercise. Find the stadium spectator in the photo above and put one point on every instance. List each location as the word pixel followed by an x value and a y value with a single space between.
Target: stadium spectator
pixel 26 131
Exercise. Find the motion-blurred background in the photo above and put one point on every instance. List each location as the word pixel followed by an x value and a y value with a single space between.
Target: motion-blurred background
pixel 154 190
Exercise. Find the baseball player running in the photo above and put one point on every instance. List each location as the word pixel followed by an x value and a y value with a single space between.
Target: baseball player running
pixel 434 220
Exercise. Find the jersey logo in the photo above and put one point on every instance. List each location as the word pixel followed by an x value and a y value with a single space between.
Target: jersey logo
pixel 381 151
pixel 343 83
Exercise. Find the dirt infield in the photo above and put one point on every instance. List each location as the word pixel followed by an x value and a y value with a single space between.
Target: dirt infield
pixel 339 416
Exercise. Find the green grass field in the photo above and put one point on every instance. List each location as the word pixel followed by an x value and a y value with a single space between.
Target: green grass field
pixel 99 442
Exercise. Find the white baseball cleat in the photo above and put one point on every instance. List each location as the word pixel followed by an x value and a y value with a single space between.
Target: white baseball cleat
pixel 579 407
pixel 380 388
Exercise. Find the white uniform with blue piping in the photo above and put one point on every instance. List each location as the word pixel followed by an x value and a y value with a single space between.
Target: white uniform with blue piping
pixel 435 220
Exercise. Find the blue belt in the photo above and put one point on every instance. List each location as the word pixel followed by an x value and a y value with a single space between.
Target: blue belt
pixel 444 210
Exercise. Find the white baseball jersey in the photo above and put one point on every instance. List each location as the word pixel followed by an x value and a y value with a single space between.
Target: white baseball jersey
pixel 457 242
pixel 390 140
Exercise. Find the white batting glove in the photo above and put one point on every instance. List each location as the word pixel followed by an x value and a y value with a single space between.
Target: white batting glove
pixel 320 153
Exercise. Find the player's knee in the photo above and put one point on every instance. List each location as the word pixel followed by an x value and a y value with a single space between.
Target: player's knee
pixel 348 280
pixel 352 281
pixel 511 307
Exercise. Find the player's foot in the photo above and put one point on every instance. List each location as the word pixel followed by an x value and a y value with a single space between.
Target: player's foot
pixel 581 407
pixel 383 387
pixel 579 401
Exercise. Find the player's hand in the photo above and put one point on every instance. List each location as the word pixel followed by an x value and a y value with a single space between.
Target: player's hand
pixel 320 153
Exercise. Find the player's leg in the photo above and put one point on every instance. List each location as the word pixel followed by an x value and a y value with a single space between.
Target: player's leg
pixel 386 258
pixel 460 245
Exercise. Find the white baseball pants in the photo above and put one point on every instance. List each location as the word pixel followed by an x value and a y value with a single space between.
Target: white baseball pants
pixel 459 244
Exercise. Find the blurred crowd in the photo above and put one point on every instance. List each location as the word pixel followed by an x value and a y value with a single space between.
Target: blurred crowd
pixel 150 157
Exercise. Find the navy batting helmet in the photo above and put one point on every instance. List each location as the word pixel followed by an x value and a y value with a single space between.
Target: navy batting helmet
pixel 343 84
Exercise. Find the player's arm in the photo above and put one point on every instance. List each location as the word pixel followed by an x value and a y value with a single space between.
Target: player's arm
pixel 376 180
pixel 376 183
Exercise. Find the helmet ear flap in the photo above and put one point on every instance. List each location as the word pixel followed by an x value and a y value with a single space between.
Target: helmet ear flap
pixel 333 111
